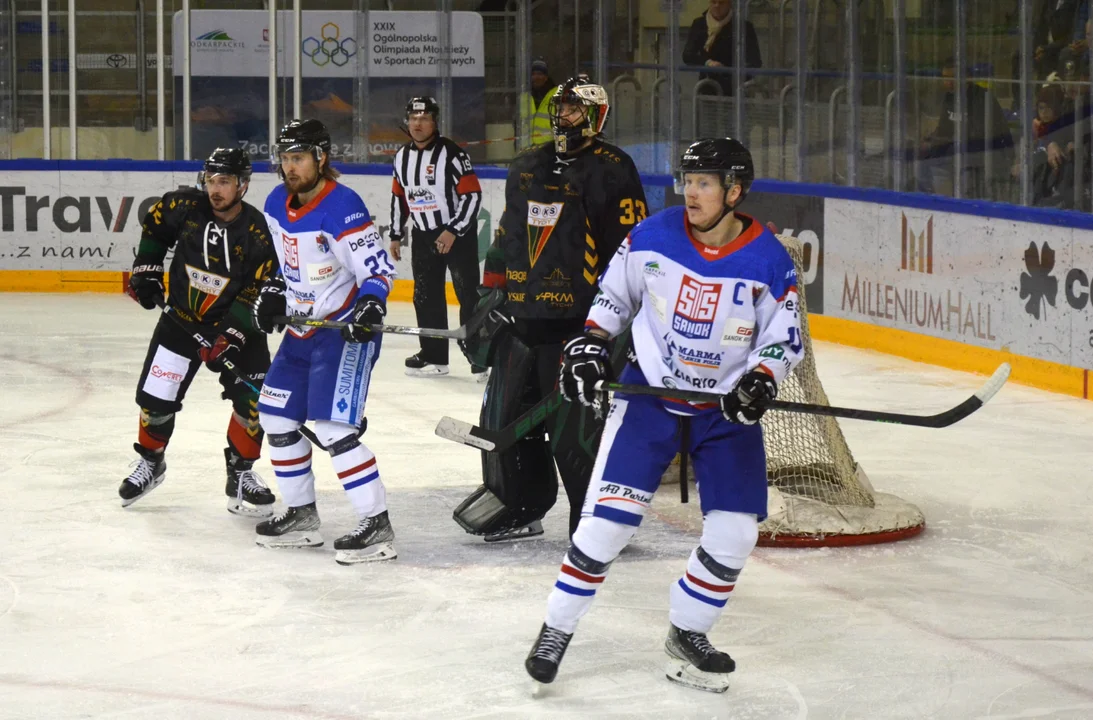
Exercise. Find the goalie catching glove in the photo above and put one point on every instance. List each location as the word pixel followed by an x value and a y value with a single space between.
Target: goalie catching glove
pixel 585 362
pixel 749 399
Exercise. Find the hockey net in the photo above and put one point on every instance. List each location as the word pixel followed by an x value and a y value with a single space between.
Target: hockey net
pixel 818 495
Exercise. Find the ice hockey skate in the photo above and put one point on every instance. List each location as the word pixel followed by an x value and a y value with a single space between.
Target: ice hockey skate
pixel 524 532
pixel 149 471
pixel 293 527
pixel 373 540
pixel 248 495
pixel 416 367
pixel 480 374
pixel 546 654
pixel 695 663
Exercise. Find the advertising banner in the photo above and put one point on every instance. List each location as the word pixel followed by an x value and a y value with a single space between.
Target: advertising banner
pixel 91 220
pixel 398 56
pixel 999 284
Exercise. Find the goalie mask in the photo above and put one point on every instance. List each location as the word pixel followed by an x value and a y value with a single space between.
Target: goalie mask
pixel 570 132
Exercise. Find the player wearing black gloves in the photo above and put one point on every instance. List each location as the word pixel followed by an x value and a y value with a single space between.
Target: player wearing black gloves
pixel 222 257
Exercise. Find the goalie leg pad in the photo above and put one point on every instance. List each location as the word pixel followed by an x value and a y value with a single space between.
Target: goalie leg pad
pixel 519 485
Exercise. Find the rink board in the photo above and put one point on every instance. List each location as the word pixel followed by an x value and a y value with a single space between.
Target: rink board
pixel 959 284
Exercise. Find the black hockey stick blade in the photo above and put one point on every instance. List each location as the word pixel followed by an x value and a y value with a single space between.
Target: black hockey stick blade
pixel 498 440
pixel 460 333
pixel 942 419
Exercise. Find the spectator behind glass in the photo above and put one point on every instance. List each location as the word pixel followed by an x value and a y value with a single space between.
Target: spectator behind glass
pixel 1054 30
pixel 712 42
pixel 937 149
pixel 1052 180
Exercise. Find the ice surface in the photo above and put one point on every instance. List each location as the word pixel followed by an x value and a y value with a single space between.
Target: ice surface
pixel 168 610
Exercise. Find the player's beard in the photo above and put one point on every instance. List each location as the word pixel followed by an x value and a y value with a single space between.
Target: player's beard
pixel 221 203
pixel 296 184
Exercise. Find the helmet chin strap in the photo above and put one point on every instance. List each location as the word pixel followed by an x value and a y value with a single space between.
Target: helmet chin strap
pixel 726 209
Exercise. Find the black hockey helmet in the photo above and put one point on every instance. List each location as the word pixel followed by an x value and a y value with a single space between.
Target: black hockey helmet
pixel 226 161
pixel 302 136
pixel 726 157
pixel 592 98
pixel 423 104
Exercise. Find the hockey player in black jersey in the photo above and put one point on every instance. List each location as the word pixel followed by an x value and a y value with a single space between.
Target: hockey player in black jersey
pixel 222 256
pixel 568 206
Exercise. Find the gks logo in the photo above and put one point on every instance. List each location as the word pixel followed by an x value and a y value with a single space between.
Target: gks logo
pixel 1037 284
pixel 542 218
pixel 696 307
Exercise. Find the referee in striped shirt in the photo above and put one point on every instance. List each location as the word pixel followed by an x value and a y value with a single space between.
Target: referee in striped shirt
pixel 435 186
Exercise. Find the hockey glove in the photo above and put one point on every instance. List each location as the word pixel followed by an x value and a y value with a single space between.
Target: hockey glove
pixel 585 361
pixel 146 284
pixel 269 304
pixel 749 399
pixel 485 326
pixel 370 310
pixel 225 350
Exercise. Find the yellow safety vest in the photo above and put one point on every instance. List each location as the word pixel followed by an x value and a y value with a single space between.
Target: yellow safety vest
pixel 541 131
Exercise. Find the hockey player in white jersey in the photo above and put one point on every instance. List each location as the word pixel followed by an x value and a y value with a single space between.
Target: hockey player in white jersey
pixel 333 266
pixel 713 299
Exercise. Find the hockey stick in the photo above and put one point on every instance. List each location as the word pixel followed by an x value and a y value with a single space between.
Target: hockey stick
pixel 499 440
pixel 942 419
pixel 460 333
pixel 228 364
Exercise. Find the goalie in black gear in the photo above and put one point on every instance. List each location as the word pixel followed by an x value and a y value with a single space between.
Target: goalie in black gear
pixel 222 256
pixel 568 207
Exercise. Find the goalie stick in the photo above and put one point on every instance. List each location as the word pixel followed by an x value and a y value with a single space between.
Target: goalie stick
pixel 460 333
pixel 939 420
pixel 228 364
pixel 500 440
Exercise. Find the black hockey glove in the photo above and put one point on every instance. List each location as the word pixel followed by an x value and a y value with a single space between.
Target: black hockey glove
pixel 225 350
pixel 749 399
pixel 270 304
pixel 146 284
pixel 487 322
pixel 585 361
pixel 370 310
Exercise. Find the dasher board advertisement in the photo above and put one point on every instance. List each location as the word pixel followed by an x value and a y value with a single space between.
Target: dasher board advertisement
pixel 1000 284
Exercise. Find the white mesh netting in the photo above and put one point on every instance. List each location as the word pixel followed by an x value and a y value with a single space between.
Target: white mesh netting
pixel 818 494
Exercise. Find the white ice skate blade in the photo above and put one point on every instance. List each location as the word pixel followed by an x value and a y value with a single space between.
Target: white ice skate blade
pixel 684 673
pixel 372 553
pixel 428 371
pixel 297 539
pixel 482 376
pixel 526 532
pixel 151 486
pixel 538 689
pixel 241 508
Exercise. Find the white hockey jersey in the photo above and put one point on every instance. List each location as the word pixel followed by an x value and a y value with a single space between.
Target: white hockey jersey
pixel 330 252
pixel 702 317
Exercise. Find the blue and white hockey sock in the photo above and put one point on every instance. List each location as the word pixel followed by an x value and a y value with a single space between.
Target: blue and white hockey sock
pixel 698 598
pixel 290 454
pixel 360 476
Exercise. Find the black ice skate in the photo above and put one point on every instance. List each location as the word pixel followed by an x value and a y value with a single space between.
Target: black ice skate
pixel 294 527
pixel 372 540
pixel 416 367
pixel 546 654
pixel 524 532
pixel 149 471
pixel 694 662
pixel 247 493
